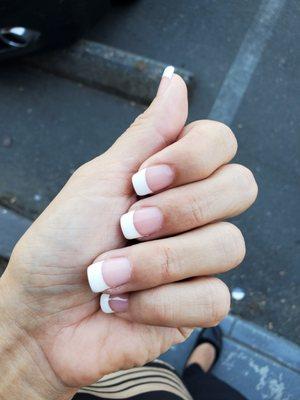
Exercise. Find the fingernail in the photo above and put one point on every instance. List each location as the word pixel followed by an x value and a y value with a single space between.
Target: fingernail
pixel 165 79
pixel 168 72
pixel 142 222
pixel 110 304
pixel 152 179
pixel 109 273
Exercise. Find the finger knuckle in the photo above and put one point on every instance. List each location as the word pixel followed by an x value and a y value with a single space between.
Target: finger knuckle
pixel 89 169
pixel 219 302
pixel 161 311
pixel 232 243
pixel 142 123
pixel 199 209
pixel 145 123
pixel 221 135
pixel 139 122
pixel 245 181
pixel 225 138
pixel 168 264
pixel 148 307
pixel 82 171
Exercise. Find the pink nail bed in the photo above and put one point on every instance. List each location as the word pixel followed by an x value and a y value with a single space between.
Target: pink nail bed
pixel 116 271
pixel 148 220
pixel 110 304
pixel 152 179
pixel 142 222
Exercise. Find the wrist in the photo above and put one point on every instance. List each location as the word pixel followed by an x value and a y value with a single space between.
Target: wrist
pixel 27 371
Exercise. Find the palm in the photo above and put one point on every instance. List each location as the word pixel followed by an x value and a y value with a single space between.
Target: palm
pixel 78 335
pixel 99 344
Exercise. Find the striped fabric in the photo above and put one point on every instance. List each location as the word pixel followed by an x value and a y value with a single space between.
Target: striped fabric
pixel 154 377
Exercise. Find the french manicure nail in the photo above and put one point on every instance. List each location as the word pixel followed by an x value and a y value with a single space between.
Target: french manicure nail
pixel 164 83
pixel 142 222
pixel 152 179
pixel 110 304
pixel 168 72
pixel 109 273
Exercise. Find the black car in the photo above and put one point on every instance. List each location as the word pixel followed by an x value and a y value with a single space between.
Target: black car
pixel 34 24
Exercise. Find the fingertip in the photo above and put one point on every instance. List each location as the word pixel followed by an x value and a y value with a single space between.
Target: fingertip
pixel 179 81
pixel 95 277
pixel 171 109
pixel 178 84
pixel 104 304
pixel 168 72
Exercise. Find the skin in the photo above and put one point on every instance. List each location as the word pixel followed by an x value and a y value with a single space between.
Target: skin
pixel 54 338
pixel 203 355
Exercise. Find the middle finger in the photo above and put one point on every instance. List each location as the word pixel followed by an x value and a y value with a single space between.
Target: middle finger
pixel 226 193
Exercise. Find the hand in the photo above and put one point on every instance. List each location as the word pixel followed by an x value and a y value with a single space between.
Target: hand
pixel 44 290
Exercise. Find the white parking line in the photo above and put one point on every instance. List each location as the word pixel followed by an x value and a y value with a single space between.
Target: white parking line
pixel 239 75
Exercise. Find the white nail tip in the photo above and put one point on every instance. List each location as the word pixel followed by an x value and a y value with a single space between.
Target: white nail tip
pixel 104 304
pixel 139 183
pixel 128 227
pixel 168 72
pixel 95 277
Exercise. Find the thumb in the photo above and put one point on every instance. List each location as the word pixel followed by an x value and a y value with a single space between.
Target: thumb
pixel 158 126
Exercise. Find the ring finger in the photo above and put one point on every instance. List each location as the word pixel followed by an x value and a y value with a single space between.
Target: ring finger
pixel 213 249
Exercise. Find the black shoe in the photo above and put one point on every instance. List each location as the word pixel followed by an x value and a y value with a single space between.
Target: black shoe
pixel 214 336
